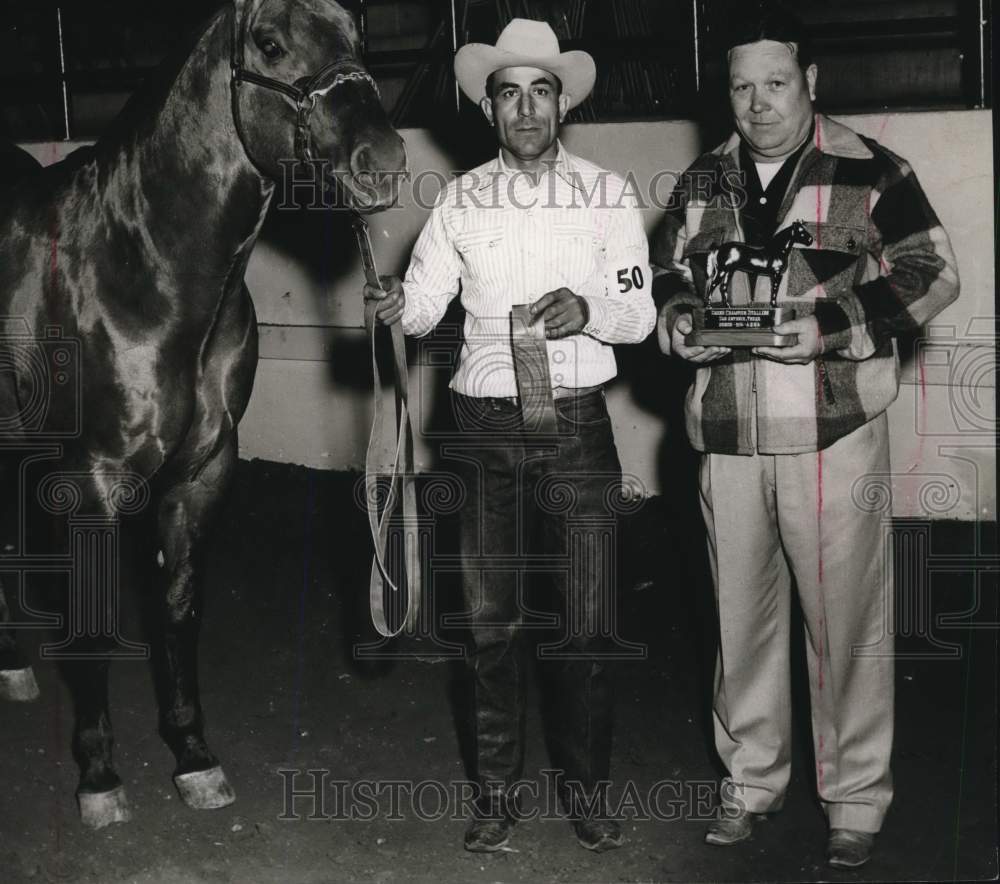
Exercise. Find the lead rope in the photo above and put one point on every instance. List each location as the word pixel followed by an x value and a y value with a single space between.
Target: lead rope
pixel 402 468
pixel 401 483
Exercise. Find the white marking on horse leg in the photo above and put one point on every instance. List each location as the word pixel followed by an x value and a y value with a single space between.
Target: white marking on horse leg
pixel 205 789
pixel 100 809
pixel 18 685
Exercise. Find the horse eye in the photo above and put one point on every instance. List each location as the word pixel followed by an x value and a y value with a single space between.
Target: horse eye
pixel 271 49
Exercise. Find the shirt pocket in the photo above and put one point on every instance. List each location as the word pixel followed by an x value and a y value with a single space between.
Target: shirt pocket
pixel 482 252
pixel 831 265
pixel 578 253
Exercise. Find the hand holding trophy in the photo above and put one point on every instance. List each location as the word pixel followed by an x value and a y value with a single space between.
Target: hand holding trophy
pixel 750 325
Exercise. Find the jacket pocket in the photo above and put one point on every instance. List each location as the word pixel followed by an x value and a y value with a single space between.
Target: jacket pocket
pixel 830 265
pixel 708 229
pixel 715 228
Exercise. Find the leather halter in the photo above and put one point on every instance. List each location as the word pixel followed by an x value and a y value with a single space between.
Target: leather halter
pixel 303 93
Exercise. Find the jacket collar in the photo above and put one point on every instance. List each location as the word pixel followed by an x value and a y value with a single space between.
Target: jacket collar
pixel 829 137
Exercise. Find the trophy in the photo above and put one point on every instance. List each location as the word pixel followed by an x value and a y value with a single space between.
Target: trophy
pixel 748 325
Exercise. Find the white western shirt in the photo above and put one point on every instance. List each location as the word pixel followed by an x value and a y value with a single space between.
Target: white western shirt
pixel 500 241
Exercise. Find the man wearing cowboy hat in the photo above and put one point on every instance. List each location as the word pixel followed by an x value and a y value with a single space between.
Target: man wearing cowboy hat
pixel 540 227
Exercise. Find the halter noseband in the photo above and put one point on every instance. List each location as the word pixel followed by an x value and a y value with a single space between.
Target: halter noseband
pixel 325 80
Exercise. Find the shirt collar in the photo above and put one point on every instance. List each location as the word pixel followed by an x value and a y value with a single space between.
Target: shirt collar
pixel 562 166
pixel 829 137
pixel 785 167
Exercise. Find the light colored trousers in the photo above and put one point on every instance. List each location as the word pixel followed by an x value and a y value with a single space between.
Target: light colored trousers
pixel 771 518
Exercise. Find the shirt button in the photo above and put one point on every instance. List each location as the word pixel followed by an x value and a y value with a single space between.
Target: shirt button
pixel 763 200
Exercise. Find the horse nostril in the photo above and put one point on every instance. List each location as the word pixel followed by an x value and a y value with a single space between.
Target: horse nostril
pixel 362 160
pixel 377 161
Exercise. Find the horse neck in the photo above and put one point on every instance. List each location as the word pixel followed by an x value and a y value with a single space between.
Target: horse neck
pixel 785 239
pixel 180 168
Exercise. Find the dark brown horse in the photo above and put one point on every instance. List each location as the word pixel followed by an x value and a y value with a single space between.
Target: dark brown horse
pixel 130 341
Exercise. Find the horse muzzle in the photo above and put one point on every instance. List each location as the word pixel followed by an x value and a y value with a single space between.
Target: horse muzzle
pixel 375 170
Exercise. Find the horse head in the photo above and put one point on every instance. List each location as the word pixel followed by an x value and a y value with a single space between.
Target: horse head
pixel 800 234
pixel 300 91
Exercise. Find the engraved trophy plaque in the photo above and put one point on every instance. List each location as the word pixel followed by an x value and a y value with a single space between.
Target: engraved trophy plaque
pixel 721 324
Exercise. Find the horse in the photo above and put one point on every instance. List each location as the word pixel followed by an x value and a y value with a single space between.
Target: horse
pixel 770 260
pixel 130 344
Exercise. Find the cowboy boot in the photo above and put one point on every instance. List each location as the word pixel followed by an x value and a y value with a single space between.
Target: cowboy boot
pixel 497 669
pixel 494 812
pixel 579 734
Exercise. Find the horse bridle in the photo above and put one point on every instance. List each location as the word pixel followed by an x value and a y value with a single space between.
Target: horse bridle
pixel 304 96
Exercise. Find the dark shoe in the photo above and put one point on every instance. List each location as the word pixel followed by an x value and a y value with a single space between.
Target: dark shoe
pixel 487 835
pixel 492 820
pixel 599 835
pixel 731 827
pixel 848 849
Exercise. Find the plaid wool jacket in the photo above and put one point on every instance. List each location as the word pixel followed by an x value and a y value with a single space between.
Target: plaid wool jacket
pixel 880 264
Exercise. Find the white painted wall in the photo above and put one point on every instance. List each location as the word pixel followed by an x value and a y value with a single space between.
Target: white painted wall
pixel 312 402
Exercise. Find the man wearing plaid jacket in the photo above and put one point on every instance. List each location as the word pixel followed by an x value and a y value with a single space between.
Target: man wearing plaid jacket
pixel 788 433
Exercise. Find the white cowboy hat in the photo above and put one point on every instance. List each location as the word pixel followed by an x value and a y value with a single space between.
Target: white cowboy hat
pixel 525 43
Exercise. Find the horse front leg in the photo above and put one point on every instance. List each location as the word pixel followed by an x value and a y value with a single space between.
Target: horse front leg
pixel 86 605
pixel 17 680
pixel 184 519
pixel 84 658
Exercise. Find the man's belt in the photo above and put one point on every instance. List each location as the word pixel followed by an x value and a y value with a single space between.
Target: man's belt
pixel 401 483
pixel 558 393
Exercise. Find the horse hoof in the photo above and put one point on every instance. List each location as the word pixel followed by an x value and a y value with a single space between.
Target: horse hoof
pixel 100 809
pixel 18 685
pixel 205 789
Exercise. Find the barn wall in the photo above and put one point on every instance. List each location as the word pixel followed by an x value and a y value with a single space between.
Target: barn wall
pixel 311 404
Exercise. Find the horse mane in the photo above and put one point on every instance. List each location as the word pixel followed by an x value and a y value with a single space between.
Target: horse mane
pixel 144 103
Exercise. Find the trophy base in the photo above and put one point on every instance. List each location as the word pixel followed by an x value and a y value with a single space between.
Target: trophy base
pixel 740 327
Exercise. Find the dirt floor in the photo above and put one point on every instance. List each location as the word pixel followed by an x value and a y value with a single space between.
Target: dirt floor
pixel 283 690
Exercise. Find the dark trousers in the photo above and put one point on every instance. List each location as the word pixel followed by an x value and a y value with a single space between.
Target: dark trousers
pixel 539 509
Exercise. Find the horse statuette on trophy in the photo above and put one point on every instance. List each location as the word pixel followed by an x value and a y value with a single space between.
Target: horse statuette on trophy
pixel 722 324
